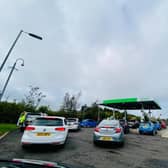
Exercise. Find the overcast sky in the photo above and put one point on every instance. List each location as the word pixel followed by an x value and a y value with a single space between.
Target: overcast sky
pixel 105 49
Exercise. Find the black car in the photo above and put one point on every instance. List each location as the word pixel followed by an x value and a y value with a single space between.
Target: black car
pixel 125 126
pixel 134 124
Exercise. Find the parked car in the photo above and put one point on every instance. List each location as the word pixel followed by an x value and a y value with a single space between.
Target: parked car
pixel 157 125
pixel 109 131
pixel 29 117
pixel 73 123
pixel 134 124
pixel 125 126
pixel 46 130
pixel 147 128
pixel 163 124
pixel 88 123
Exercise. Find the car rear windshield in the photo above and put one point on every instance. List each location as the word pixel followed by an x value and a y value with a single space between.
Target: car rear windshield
pixel 71 120
pixel 32 117
pixel 145 124
pixel 48 122
pixel 109 124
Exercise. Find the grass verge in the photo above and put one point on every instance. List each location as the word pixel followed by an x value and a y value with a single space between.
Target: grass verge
pixel 7 127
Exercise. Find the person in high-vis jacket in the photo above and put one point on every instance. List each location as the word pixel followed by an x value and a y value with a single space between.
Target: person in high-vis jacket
pixel 21 121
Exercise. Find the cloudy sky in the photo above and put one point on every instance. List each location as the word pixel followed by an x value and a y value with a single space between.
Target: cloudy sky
pixel 105 49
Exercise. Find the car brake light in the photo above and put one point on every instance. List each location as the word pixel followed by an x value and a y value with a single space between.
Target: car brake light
pixel 60 129
pixel 118 130
pixel 97 129
pixel 29 128
pixel 49 165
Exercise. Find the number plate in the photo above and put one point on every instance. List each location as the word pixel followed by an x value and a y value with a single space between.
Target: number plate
pixel 106 138
pixel 43 134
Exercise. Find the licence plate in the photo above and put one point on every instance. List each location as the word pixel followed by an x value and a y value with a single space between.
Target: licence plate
pixel 43 134
pixel 106 138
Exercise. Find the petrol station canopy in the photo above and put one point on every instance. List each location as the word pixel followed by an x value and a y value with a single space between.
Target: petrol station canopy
pixel 131 104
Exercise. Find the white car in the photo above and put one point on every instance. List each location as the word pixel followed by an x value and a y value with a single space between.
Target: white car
pixel 73 123
pixel 46 130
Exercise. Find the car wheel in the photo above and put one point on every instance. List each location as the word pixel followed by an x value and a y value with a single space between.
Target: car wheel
pixel 153 132
pixel 121 144
pixel 95 143
pixel 22 129
pixel 140 132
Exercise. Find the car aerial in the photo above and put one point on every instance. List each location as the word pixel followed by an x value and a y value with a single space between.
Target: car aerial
pixel 125 126
pixel 73 123
pixel 147 128
pixel 88 123
pixel 108 131
pixel 163 124
pixel 46 130
pixel 29 117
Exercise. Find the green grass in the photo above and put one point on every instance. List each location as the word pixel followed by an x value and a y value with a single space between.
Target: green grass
pixel 7 127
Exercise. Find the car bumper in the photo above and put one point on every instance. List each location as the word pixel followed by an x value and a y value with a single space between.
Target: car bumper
pixel 54 141
pixel 146 131
pixel 73 127
pixel 104 138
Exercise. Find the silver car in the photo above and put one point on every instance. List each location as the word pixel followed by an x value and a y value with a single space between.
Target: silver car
pixel 73 123
pixel 109 131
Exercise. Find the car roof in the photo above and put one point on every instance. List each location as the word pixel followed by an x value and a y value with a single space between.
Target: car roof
pixel 51 117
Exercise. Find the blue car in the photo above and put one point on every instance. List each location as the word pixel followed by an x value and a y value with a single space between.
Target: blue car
pixel 157 125
pixel 88 123
pixel 147 128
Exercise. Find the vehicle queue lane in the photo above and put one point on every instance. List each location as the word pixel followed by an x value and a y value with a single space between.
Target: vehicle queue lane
pixel 139 151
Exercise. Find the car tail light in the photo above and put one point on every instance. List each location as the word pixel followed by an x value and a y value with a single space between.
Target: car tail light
pixel 60 129
pixel 118 130
pixel 97 129
pixel 29 128
pixel 49 164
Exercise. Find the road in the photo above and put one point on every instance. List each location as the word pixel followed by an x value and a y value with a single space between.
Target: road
pixel 139 151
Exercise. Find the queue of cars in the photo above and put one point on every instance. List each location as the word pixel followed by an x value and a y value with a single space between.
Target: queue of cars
pixel 53 130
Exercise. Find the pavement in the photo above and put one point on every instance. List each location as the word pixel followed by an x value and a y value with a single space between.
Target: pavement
pixel 163 133
pixel 139 151
pixel 2 136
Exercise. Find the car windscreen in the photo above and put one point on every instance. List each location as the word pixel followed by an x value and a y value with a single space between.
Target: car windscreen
pixel 48 122
pixel 109 124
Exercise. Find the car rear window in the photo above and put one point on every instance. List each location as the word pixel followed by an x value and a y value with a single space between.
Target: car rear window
pixel 48 122
pixel 71 120
pixel 145 124
pixel 32 117
pixel 108 123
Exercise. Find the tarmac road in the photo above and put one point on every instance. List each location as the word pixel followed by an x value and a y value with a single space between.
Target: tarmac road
pixel 139 151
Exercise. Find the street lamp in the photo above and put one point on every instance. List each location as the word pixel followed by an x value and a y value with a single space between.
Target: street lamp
pixel 13 45
pixel 10 74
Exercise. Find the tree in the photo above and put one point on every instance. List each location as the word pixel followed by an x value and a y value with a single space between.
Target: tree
pixel 33 99
pixel 44 109
pixel 71 102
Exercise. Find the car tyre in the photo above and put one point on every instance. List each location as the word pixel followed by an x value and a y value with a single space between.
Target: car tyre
pixel 95 143
pixel 121 144
pixel 153 133
pixel 140 132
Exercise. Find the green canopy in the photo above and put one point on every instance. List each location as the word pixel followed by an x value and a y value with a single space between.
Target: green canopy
pixel 132 104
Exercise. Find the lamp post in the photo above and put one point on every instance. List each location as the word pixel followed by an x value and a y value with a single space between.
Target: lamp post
pixel 10 74
pixel 14 43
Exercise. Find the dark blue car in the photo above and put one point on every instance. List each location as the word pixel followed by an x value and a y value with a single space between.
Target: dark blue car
pixel 147 128
pixel 157 125
pixel 88 123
